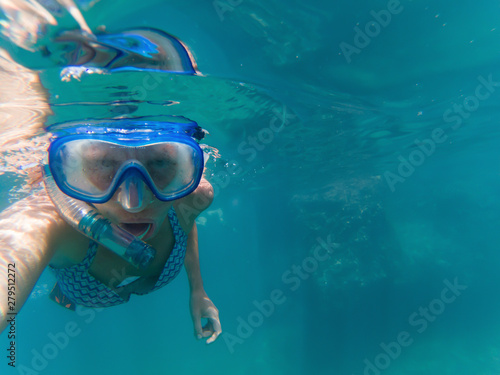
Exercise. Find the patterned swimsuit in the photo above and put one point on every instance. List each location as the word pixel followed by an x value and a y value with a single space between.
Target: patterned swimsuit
pixel 78 286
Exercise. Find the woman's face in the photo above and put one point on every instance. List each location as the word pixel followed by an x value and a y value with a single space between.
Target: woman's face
pixel 133 205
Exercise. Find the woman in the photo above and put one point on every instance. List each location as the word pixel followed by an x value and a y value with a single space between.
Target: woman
pixel 135 188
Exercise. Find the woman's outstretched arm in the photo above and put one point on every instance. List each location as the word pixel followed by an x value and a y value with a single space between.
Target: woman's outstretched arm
pixel 26 231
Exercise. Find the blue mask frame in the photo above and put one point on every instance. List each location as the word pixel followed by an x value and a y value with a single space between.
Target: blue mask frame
pixel 136 133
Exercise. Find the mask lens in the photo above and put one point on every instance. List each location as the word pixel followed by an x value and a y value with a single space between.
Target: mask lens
pixel 85 166
pixel 92 169
pixel 172 166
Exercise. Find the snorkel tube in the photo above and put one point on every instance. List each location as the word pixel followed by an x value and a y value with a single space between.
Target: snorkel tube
pixel 91 223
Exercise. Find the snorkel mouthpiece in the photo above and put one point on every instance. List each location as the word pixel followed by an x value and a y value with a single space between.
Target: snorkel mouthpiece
pixel 118 240
pixel 91 223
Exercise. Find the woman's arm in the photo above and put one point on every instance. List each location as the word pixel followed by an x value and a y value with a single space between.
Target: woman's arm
pixel 201 306
pixel 26 231
pixel 192 262
pixel 188 209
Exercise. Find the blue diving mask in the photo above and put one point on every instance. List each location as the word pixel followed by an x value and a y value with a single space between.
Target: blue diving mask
pixel 93 161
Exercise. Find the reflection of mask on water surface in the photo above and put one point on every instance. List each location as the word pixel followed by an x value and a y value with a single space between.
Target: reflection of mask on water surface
pixel 130 50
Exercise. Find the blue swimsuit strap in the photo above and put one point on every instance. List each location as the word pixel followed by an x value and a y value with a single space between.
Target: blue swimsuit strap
pixel 175 260
pixel 91 253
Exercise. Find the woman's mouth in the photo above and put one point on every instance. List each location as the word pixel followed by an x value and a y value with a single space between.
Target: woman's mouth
pixel 137 229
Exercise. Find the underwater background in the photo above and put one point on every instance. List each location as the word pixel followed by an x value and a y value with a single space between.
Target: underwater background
pixel 354 155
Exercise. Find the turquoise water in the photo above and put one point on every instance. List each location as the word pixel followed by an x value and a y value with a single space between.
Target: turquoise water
pixel 386 155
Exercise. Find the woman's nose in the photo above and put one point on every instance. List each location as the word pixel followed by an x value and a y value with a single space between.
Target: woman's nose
pixel 134 195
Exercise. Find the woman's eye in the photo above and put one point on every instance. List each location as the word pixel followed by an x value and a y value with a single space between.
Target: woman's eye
pixel 105 163
pixel 158 163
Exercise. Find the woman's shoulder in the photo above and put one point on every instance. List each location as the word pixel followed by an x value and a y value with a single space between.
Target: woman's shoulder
pixel 189 207
pixel 203 196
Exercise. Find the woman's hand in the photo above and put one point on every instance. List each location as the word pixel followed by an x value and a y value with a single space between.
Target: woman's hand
pixel 202 307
